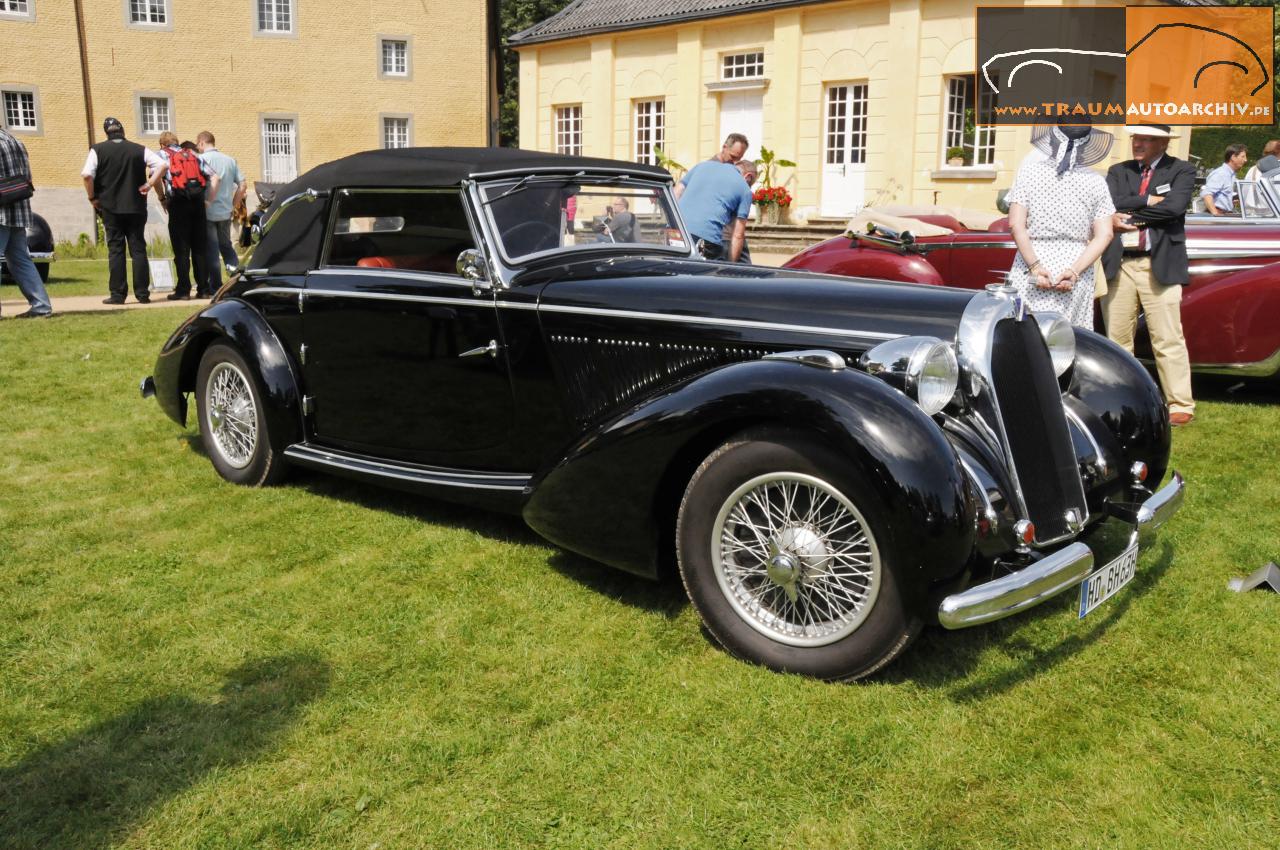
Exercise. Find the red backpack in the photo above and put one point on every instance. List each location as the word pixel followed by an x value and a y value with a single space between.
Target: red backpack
pixel 186 178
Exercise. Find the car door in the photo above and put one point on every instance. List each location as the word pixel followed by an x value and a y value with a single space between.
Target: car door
pixel 404 359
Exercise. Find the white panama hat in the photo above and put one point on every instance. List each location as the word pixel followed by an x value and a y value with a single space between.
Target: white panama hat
pixel 1160 131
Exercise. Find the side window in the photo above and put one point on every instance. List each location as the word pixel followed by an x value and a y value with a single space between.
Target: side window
pixel 422 230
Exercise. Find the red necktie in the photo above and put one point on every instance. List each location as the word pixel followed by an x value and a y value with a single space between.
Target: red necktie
pixel 1142 190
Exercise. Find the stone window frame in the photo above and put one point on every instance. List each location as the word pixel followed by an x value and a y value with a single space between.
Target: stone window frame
pixel 383 73
pixel 21 88
pixel 407 117
pixel 255 7
pixel 8 14
pixel 137 112
pixel 165 26
pixel 263 118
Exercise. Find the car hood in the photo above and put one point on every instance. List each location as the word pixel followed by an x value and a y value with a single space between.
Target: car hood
pixel 750 302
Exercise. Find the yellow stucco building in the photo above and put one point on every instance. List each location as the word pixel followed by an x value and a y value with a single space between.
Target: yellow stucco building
pixel 283 84
pixel 867 97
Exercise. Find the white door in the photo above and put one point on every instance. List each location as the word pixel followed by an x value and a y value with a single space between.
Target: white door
pixel 844 163
pixel 280 150
pixel 742 112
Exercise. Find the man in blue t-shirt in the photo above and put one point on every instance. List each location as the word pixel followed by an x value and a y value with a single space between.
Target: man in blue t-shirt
pixel 714 196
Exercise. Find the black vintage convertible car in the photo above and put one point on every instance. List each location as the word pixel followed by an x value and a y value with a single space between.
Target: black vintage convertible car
pixel 829 464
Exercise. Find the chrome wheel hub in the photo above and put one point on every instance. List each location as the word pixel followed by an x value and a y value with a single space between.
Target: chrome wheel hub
pixel 231 416
pixel 795 559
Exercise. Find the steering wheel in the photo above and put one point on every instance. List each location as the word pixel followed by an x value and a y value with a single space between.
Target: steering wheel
pixel 536 235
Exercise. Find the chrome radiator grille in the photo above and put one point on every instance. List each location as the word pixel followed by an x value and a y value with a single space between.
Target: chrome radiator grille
pixel 1035 428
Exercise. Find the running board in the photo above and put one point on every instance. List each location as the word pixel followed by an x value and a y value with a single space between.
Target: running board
pixel 307 454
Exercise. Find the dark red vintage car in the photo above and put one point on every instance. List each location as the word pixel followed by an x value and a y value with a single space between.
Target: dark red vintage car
pixel 1230 311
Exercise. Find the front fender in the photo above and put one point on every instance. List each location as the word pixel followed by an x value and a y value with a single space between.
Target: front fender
pixel 639 464
pixel 236 322
pixel 1121 394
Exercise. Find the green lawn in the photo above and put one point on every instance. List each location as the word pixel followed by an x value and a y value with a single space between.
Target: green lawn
pixel 79 277
pixel 184 663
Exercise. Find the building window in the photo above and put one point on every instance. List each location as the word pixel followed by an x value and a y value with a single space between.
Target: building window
pixel 962 130
pixel 395 131
pixel 279 150
pixel 742 66
pixel 650 130
pixel 275 16
pixel 395 57
pixel 846 125
pixel 18 9
pixel 149 13
pixel 20 111
pixel 154 115
pixel 569 129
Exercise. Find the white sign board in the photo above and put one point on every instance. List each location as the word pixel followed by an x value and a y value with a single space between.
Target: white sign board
pixel 161 275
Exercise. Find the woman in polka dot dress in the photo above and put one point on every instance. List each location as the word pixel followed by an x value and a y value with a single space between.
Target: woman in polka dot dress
pixel 1060 214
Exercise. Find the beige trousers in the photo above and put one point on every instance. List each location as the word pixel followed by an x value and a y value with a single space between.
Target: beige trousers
pixel 1136 287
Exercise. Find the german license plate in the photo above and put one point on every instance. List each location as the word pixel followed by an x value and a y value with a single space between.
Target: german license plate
pixel 1106 582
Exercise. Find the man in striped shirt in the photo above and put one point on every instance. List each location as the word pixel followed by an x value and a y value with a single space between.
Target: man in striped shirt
pixel 14 220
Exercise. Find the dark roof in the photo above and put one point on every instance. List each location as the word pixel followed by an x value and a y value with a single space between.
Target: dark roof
pixel 583 17
pixel 292 245
pixel 444 167
pixel 587 17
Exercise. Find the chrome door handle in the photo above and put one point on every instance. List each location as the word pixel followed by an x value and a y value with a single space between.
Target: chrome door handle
pixel 491 349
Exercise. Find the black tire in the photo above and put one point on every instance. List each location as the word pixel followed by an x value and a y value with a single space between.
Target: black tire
pixel 856 620
pixel 233 425
pixel 43 270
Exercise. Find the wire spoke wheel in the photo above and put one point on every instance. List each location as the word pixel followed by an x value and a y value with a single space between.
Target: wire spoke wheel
pixel 795 559
pixel 231 415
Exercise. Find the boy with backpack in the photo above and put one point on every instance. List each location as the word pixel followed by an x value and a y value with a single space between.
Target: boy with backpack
pixel 183 199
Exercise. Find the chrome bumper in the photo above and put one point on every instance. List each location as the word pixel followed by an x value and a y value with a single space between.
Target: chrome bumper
pixel 1051 575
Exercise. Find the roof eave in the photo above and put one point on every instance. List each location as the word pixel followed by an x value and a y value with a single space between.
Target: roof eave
pixel 520 39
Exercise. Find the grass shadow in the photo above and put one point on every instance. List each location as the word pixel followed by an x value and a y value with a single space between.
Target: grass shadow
pixel 1230 389
pixel 940 659
pixel 665 597
pixel 89 789
pixel 506 528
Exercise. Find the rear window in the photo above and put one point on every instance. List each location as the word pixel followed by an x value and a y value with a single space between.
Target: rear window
pixel 422 230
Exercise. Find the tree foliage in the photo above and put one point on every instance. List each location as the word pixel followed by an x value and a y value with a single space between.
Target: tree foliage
pixel 1210 142
pixel 514 16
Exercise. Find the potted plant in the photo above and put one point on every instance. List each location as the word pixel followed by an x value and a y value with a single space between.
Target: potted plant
pixel 771 200
pixel 957 156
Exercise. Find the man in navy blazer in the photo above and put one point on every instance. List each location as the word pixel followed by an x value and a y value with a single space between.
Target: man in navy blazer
pixel 1146 263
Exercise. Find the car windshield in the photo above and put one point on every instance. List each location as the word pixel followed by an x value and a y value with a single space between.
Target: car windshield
pixel 535 215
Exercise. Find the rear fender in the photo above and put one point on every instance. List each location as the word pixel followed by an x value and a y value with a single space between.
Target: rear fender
pixel 850 258
pixel 640 463
pixel 1235 319
pixel 235 322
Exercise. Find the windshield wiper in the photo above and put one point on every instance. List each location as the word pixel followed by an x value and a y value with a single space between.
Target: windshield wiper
pixel 521 186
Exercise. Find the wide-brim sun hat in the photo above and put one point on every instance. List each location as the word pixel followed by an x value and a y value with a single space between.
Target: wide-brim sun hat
pixel 1159 131
pixel 1087 150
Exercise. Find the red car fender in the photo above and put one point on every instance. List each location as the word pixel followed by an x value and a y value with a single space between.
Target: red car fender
pixel 836 256
pixel 1235 319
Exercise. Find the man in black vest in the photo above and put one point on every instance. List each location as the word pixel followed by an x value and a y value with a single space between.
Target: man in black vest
pixel 118 175
pixel 1146 263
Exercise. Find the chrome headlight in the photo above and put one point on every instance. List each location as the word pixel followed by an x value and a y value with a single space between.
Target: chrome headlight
pixel 1060 337
pixel 923 367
